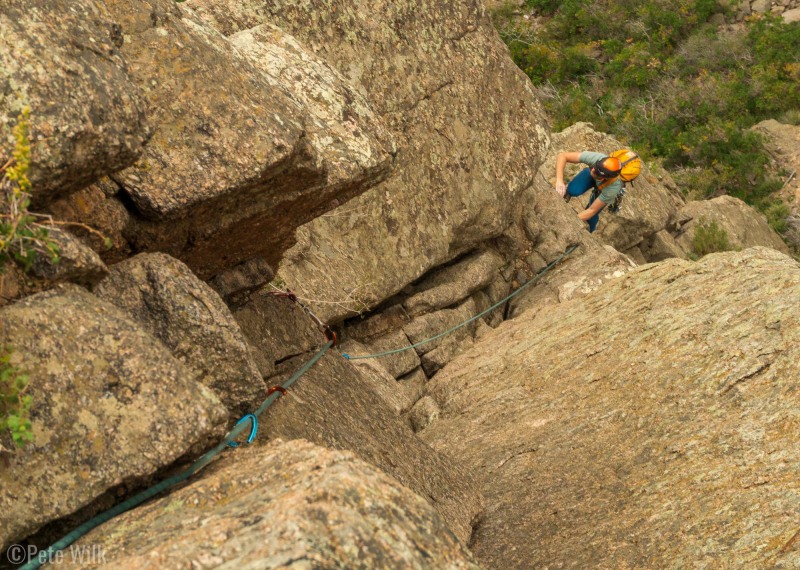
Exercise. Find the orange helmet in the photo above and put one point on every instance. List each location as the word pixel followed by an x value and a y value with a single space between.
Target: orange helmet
pixel 607 167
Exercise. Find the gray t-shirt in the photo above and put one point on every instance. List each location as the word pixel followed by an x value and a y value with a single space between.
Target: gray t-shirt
pixel 609 193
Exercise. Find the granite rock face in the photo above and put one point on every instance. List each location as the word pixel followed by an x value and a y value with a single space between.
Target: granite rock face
pixel 110 406
pixel 237 284
pixel 277 327
pixel 451 188
pixel 396 364
pixel 452 284
pixel 782 141
pixel 173 305
pixel 283 505
pixel 341 127
pixel 337 406
pixel 650 423
pixel 62 59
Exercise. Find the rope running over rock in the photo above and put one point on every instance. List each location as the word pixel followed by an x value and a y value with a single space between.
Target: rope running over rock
pixel 169 483
pixel 479 315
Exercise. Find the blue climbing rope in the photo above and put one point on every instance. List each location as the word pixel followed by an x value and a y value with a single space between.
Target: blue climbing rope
pixel 169 483
pixel 468 321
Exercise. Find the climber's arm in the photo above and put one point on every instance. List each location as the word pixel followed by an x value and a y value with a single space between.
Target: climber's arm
pixel 595 208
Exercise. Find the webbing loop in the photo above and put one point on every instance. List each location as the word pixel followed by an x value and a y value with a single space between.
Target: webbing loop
pixel 479 315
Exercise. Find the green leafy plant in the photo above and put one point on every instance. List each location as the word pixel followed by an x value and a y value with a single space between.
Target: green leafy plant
pixel 15 404
pixel 709 237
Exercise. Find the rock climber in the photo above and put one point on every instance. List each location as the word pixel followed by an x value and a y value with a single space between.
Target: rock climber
pixel 601 176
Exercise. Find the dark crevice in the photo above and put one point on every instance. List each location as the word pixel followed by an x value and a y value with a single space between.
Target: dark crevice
pixel 290 357
pixel 428 96
pixel 476 523
pixel 728 387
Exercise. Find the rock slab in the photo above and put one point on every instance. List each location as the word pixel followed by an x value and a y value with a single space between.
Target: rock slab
pixel 286 505
pixel 744 226
pixel 451 189
pixel 647 424
pixel 171 303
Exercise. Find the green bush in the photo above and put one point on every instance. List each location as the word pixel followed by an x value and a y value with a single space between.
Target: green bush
pixel 634 67
pixel 547 7
pixel 777 213
pixel 22 239
pixel 709 238
pixel 663 81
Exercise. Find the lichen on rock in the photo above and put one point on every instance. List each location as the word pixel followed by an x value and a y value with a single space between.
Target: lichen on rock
pixel 111 405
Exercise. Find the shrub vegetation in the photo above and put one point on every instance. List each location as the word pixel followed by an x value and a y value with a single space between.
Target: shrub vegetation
pixel 709 237
pixel 658 76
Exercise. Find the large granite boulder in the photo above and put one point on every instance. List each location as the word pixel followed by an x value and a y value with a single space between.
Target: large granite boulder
pixel 111 406
pixel 207 142
pixel 650 423
pixel 285 505
pixel 62 59
pixel 743 226
pixel 75 263
pixel 100 219
pixel 258 158
pixel 173 305
pixel 467 125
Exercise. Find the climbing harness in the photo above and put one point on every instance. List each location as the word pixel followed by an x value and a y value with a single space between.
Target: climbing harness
pixel 479 315
pixel 617 203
